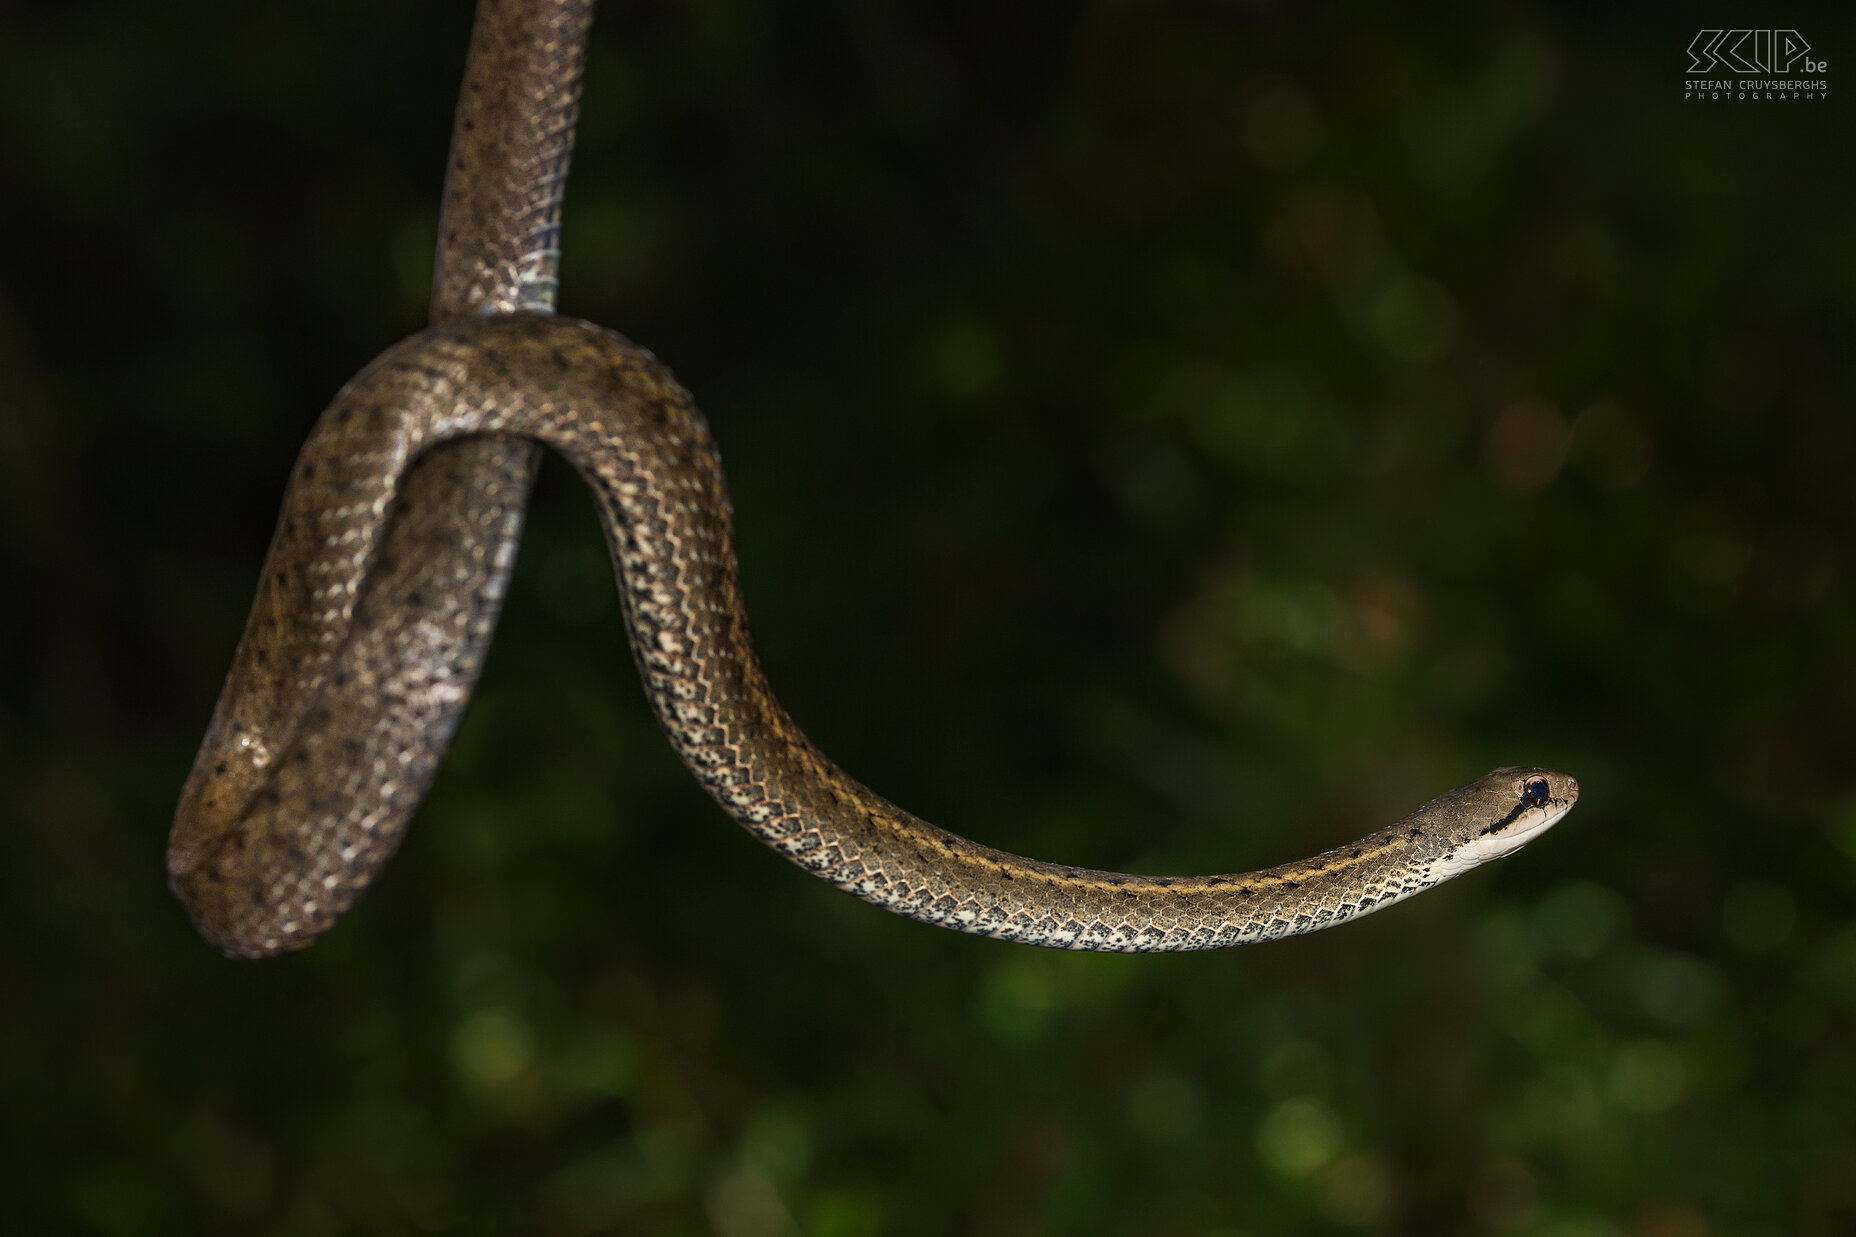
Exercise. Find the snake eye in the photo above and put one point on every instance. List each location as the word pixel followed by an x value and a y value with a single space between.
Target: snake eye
pixel 1534 791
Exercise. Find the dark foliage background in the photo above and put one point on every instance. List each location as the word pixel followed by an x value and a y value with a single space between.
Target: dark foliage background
pixel 1178 436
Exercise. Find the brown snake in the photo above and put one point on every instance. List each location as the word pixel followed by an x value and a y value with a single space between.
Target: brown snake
pixel 393 552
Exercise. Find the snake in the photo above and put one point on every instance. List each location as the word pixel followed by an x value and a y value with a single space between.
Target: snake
pixel 392 556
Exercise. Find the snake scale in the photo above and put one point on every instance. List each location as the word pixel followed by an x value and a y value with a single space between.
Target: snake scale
pixel 393 552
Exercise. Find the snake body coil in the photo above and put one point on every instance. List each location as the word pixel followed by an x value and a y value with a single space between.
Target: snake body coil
pixel 392 554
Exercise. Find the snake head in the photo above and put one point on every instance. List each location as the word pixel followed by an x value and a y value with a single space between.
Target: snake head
pixel 1498 814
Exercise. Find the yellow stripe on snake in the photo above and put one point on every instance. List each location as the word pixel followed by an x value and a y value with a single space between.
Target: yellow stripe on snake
pixel 393 552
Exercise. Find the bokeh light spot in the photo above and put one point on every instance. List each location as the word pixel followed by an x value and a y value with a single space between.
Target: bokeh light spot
pixel 1527 445
pixel 1260 423
pixel 777 1140
pixel 1578 1226
pixel 1577 920
pixel 961 358
pixel 1758 915
pixel 1836 965
pixel 1678 992
pixel 745 1203
pixel 1278 118
pixel 600 1061
pixel 1648 1076
pixel 1611 447
pixel 1505 1196
pixel 1298 1136
pixel 1296 1066
pixel 595 1190
pixel 1355 1190
pixel 1166 1108
pixel 1413 319
pixel 847 1212
pixel 492 1047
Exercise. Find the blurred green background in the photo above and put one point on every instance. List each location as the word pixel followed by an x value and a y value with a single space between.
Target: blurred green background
pixel 1178 437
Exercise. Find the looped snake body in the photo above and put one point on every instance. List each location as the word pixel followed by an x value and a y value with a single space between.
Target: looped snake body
pixel 393 551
